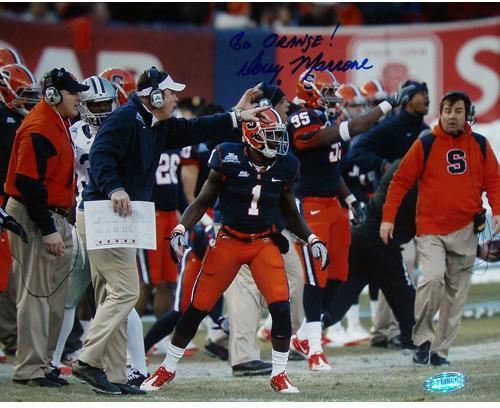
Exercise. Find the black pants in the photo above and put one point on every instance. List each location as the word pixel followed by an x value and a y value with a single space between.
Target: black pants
pixel 371 261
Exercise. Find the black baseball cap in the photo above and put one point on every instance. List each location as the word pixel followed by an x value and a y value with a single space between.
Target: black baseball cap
pixel 61 79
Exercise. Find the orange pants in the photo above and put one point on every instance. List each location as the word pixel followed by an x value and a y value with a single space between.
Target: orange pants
pixel 189 270
pixel 161 266
pixel 223 261
pixel 330 222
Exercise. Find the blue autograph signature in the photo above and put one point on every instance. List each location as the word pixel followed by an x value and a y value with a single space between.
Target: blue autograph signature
pixel 257 66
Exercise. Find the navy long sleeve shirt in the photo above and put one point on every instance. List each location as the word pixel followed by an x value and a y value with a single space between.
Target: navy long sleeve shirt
pixel 387 141
pixel 126 151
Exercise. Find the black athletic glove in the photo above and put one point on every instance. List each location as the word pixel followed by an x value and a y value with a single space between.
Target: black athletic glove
pixel 359 215
pixel 400 97
pixel 9 223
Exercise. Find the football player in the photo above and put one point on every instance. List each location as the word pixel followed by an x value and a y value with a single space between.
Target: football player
pixel 122 80
pixel 18 94
pixel 254 182
pixel 319 144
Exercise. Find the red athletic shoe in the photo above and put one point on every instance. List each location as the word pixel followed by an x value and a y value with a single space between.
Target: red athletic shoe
pixel 319 362
pixel 159 378
pixel 264 333
pixel 299 346
pixel 281 383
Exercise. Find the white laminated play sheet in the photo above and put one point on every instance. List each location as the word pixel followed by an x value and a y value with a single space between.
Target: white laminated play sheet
pixel 106 229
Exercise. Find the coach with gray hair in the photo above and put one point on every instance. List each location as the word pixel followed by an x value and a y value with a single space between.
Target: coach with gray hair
pixel 123 162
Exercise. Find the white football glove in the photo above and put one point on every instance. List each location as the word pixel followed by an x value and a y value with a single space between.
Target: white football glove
pixel 319 250
pixel 178 244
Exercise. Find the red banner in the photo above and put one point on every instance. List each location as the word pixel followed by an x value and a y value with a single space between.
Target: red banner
pixel 460 56
pixel 86 50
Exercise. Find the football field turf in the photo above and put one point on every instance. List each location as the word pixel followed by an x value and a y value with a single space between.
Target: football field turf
pixel 360 373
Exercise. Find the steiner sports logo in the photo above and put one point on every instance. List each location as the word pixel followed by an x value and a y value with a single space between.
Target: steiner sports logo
pixel 231 158
pixel 244 173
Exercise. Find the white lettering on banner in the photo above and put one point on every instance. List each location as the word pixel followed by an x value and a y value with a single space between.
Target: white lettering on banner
pixel 395 60
pixel 55 57
pixel 483 77
pixel 131 61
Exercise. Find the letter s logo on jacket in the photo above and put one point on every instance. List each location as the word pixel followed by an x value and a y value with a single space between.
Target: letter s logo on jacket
pixel 456 161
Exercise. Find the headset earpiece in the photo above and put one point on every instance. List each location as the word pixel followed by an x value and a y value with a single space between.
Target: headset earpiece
pixel 156 97
pixel 52 95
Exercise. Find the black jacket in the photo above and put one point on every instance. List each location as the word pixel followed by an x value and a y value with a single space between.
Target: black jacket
pixel 387 141
pixel 126 150
pixel 404 226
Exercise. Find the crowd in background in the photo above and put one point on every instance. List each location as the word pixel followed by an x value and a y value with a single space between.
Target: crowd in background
pixel 249 15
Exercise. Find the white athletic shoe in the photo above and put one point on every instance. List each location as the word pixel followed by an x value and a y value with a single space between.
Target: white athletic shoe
pixel 156 381
pixel 357 333
pixel 337 337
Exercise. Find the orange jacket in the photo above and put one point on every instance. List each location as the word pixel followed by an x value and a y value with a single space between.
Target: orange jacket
pixel 53 165
pixel 450 183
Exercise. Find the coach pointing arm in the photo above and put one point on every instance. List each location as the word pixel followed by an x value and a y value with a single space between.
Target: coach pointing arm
pixel 125 154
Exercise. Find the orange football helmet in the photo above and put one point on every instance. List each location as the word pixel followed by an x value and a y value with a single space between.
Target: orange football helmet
pixel 374 91
pixel 18 88
pixel 122 80
pixel 354 103
pixel 270 139
pixel 10 56
pixel 317 89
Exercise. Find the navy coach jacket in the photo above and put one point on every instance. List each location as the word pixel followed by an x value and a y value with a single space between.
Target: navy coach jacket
pixel 387 141
pixel 126 151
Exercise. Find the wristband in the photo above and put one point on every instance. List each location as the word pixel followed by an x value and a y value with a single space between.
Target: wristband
pixel 179 228
pixel 311 239
pixel 350 199
pixel 233 119
pixel 385 107
pixel 344 131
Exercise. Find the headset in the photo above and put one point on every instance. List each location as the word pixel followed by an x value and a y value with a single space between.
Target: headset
pixel 52 95
pixel 470 109
pixel 156 96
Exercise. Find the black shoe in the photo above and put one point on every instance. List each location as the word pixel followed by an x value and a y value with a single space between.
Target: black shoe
pixel 95 377
pixel 437 360
pixel 129 389
pixel 55 376
pixel 135 377
pixel 216 351
pixel 421 355
pixel 40 382
pixel 380 342
pixel 294 356
pixel 395 342
pixel 255 367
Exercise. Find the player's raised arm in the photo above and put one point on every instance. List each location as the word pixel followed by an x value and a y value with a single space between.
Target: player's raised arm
pixel 347 129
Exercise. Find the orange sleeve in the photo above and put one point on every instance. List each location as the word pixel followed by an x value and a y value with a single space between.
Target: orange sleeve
pixel 403 180
pixel 301 138
pixel 492 179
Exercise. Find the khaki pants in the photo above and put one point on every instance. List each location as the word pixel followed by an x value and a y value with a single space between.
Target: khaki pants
pixel 116 284
pixel 41 294
pixel 446 262
pixel 245 303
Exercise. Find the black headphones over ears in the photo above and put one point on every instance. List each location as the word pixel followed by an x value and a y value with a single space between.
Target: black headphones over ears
pixel 470 109
pixel 156 96
pixel 52 95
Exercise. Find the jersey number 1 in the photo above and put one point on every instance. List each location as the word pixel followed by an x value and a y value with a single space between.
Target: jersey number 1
pixel 254 208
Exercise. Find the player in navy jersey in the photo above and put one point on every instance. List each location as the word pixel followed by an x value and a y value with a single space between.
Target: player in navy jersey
pixel 156 267
pixel 318 143
pixel 254 181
